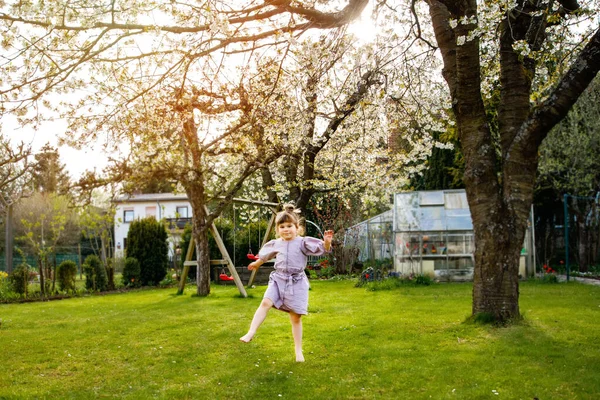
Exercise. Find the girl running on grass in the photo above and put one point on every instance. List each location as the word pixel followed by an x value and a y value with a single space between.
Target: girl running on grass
pixel 288 284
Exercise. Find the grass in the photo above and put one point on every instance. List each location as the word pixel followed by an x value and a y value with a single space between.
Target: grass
pixel 406 343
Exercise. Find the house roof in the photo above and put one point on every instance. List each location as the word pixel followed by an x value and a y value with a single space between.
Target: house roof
pixel 136 198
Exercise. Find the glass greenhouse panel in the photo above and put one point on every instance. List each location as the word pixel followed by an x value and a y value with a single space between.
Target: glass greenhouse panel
pixel 434 245
pixel 431 198
pixel 407 212
pixel 433 219
pixel 460 244
pixel 458 220
pixel 454 200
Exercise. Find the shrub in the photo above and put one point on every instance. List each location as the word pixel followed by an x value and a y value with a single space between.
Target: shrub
pixel 19 279
pixel 131 272
pixel 168 281
pixel 424 280
pixel 147 242
pixel 66 274
pixel 549 278
pixel 95 273
pixel 6 291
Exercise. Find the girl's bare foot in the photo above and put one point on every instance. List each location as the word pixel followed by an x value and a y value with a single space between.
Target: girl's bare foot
pixel 299 357
pixel 247 338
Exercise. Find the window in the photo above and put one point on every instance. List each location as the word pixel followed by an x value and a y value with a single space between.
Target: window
pixel 124 243
pixel 151 211
pixel 127 215
pixel 182 212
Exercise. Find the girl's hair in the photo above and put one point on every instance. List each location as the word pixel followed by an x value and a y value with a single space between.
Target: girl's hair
pixel 289 214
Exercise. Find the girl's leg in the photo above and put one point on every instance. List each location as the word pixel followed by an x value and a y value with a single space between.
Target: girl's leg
pixel 259 317
pixel 296 320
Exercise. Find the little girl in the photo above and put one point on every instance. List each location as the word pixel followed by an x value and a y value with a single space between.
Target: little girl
pixel 288 284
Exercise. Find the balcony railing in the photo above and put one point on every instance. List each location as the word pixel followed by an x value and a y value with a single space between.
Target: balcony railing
pixel 178 223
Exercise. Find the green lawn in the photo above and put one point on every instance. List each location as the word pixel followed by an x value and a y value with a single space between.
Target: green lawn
pixel 409 343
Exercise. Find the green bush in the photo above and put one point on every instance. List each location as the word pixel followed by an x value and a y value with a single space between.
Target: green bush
pixel 131 272
pixel 424 280
pixel 6 291
pixel 95 274
pixel 147 242
pixel 66 274
pixel 19 279
pixel 549 278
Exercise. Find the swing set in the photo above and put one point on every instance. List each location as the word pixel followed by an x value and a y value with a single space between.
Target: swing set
pixel 226 260
pixel 223 277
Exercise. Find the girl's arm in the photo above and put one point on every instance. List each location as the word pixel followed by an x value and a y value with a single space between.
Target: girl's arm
pixel 327 238
pixel 255 264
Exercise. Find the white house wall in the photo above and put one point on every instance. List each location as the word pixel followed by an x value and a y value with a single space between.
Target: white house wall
pixel 143 209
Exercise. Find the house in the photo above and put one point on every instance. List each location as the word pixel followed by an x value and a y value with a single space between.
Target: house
pixel 175 209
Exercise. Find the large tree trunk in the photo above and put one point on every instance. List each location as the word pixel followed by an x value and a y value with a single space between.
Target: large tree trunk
pixel 496 274
pixel 500 186
pixel 203 269
pixel 200 233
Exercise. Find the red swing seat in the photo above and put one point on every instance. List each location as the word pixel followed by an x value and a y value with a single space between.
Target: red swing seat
pixel 252 256
pixel 225 277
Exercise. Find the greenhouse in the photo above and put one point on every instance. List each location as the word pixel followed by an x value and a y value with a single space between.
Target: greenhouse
pixel 426 232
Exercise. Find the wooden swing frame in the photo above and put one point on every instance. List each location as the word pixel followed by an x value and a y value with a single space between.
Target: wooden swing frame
pixel 226 260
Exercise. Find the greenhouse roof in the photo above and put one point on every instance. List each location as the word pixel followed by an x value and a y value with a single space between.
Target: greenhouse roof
pixel 387 216
pixel 439 210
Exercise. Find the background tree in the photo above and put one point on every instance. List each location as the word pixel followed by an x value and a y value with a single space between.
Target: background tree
pixel 15 178
pixel 155 184
pixel 569 164
pixel 15 172
pixel 49 174
pixel 44 223
pixel 97 227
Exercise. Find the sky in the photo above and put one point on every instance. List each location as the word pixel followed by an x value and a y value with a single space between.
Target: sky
pixel 76 161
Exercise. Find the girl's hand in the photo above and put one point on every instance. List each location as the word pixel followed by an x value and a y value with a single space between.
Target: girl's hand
pixel 253 265
pixel 328 236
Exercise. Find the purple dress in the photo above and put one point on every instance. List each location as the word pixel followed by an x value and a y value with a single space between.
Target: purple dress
pixel 288 284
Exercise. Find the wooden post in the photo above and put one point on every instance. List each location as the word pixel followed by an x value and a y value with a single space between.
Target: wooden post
pixel 186 266
pixel 225 254
pixel 265 240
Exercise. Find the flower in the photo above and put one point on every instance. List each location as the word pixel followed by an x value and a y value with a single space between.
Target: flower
pixel 548 269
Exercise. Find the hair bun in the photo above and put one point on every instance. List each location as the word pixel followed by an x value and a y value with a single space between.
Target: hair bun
pixel 291 208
